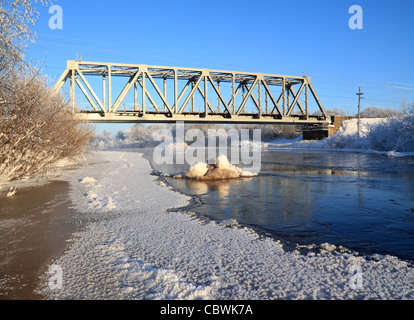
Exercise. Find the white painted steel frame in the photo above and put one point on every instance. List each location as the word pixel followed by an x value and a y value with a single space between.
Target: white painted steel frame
pixel 252 85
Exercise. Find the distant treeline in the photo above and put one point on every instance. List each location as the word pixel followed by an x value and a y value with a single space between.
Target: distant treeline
pixel 141 135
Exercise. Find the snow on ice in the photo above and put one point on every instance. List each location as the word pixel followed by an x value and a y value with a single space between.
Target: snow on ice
pixel 134 248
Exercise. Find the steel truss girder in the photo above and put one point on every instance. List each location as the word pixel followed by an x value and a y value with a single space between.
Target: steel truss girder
pixel 177 109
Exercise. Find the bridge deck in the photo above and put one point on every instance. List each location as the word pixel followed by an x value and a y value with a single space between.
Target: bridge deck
pixel 196 117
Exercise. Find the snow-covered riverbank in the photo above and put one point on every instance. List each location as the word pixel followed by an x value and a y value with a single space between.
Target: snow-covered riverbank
pixel 134 248
pixel 388 136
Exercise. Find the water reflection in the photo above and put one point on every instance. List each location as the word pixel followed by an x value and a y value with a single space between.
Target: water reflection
pixel 221 187
pixel 360 201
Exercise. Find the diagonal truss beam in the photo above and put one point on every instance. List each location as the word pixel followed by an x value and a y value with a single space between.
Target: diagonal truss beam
pixel 275 103
pixel 79 72
pixel 219 95
pixel 249 93
pixel 159 92
pixel 191 94
pixel 125 90
pixel 296 99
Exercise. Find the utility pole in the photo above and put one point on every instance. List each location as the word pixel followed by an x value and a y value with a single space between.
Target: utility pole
pixel 359 94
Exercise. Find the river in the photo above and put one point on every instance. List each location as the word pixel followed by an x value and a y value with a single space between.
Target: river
pixel 361 201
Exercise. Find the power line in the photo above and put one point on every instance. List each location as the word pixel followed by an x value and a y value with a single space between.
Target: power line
pixel 151 52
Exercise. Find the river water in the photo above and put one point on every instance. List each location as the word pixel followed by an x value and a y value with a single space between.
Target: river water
pixel 35 226
pixel 361 201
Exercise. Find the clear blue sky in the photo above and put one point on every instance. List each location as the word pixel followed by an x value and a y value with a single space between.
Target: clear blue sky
pixel 279 37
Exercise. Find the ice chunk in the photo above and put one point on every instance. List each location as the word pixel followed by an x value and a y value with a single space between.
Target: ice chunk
pixel 222 169
pixel 197 170
pixel 222 162
pixel 247 174
pixel 228 223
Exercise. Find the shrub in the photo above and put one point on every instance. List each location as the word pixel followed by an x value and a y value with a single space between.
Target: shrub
pixel 394 134
pixel 37 129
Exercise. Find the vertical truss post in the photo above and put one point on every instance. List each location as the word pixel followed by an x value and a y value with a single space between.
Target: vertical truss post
pixel 72 89
pixel 259 92
pixel 109 88
pixel 143 93
pixel 136 107
pixel 218 96
pixel 243 98
pixel 192 97
pixel 205 96
pixel 175 91
pixel 232 93
pixel 287 100
pixel 284 95
pixel 306 100
pixel 104 92
pixel 165 93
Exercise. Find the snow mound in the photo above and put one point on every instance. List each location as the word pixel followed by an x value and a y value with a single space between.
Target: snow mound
pixel 197 170
pixel 350 127
pixel 222 169
pixel 222 162
pixel 88 180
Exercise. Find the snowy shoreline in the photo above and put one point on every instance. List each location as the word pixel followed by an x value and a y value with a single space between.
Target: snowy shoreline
pixel 134 247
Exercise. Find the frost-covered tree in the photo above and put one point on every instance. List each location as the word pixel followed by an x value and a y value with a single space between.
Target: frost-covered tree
pixel 37 128
pixel 38 131
pixel 407 108
pixel 16 19
pixel 375 112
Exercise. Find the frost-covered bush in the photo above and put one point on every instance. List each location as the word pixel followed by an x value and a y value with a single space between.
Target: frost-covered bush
pixel 37 129
pixel 394 134
pixel 390 134
pixel 345 141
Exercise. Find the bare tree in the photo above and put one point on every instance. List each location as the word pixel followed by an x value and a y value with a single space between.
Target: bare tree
pixel 375 112
pixel 37 128
pixel 38 131
pixel 407 108
pixel 16 19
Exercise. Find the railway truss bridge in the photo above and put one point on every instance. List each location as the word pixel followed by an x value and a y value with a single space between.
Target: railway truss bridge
pixel 136 93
